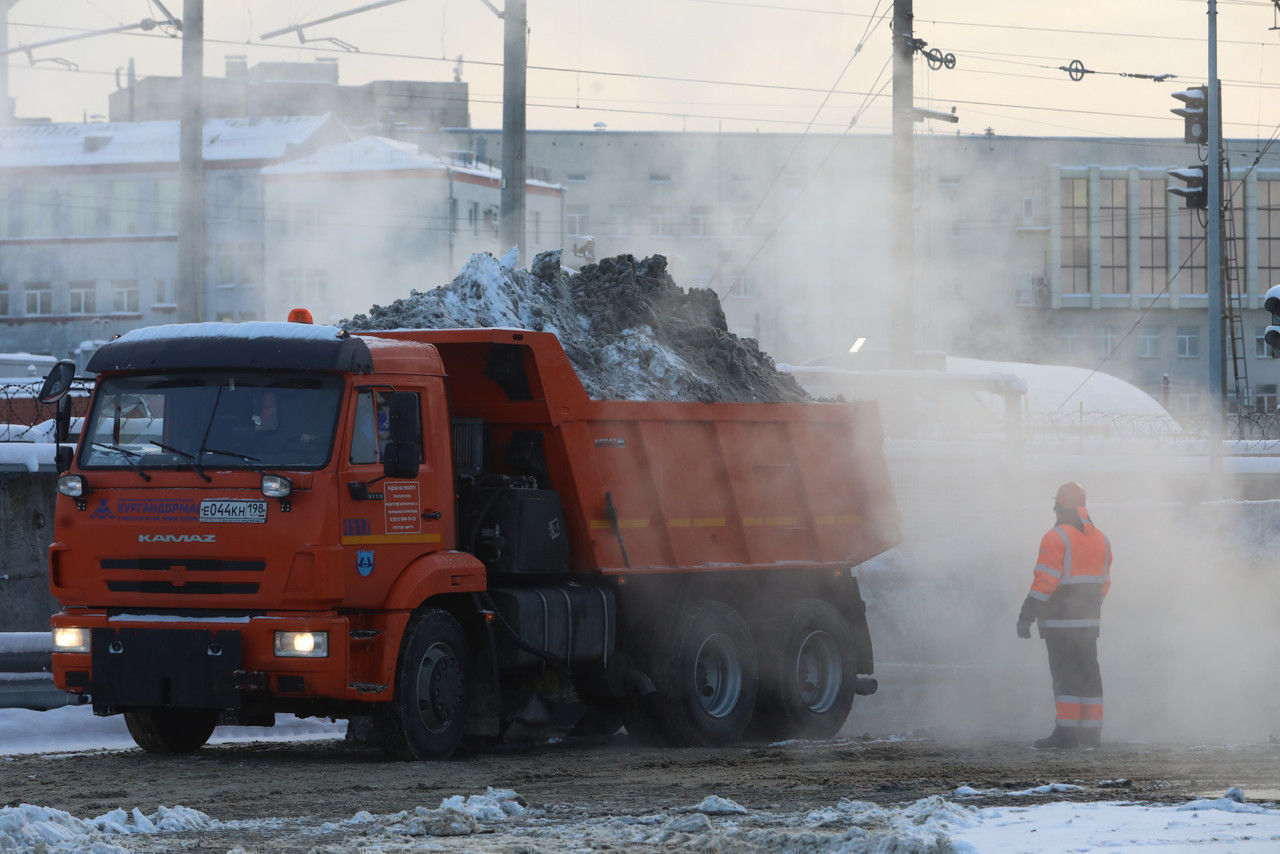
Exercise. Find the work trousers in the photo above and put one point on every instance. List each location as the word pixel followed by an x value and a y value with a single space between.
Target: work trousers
pixel 1077 681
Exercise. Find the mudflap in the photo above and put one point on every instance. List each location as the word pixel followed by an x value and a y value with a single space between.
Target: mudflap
pixel 164 668
pixel 854 609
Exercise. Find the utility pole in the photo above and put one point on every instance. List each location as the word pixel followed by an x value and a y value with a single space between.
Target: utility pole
pixel 514 59
pixel 6 100
pixel 191 237
pixel 902 336
pixel 1213 251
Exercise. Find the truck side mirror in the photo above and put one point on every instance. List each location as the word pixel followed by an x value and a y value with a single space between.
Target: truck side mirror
pixel 58 382
pixel 403 452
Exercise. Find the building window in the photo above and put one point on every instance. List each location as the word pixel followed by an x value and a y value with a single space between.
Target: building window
pixel 1268 234
pixel 5 310
pixel 535 227
pixel 742 284
pixel 473 218
pixel 659 221
pixel 304 287
pixel 577 219
pixel 741 221
pixel 1149 344
pixel 1265 399
pixel 226 197
pixel 1261 349
pixel 37 210
pixel 124 296
pixel 453 216
pixel 659 178
pixel 618 222
pixel 82 208
pixel 1108 338
pixel 1073 225
pixel 39 298
pixel 82 297
pixel 700 222
pixel 164 292
pixel 1188 403
pixel 1153 236
pixel 1188 342
pixel 6 199
pixel 238 264
pixel 1069 342
pixel 126 196
pixel 167 205
pixel 305 221
pixel 1191 253
pixel 576 178
pixel 1113 227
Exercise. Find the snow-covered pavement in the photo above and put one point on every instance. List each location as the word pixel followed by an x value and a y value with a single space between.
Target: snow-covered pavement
pixel 504 821
pixel 966 818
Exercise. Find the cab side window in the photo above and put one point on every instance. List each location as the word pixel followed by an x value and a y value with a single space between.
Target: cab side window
pixel 372 425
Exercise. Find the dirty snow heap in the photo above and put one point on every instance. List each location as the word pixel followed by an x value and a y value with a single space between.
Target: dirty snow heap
pixel 630 331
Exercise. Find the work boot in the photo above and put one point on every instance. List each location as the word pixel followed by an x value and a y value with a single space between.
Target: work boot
pixel 1089 737
pixel 1062 738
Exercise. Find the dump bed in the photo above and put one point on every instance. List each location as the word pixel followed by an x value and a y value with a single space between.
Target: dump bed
pixel 661 486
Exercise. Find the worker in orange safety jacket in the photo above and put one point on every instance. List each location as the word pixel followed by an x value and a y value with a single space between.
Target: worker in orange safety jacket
pixel 1072 577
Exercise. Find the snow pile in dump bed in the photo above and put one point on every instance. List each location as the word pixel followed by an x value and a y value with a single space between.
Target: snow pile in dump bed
pixel 631 332
pixel 32 828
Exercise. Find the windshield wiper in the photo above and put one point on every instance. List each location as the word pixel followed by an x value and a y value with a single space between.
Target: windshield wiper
pixel 244 457
pixel 126 455
pixel 190 458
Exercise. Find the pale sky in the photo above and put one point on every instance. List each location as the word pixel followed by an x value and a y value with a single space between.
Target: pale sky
pixel 1006 75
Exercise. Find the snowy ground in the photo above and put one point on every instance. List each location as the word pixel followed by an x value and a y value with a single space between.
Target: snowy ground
pixel 980 817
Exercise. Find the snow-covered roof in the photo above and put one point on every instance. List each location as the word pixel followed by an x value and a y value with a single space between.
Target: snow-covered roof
pixel 246 330
pixel 72 144
pixel 372 154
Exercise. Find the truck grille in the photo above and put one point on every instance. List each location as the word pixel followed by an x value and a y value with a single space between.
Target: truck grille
pixel 190 587
pixel 161 564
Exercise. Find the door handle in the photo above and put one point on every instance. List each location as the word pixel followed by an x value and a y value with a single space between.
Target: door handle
pixel 431 514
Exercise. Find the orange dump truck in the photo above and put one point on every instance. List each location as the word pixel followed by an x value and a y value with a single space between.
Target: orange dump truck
pixel 438 529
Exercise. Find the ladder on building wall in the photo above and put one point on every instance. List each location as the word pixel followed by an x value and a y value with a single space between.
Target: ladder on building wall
pixel 1233 285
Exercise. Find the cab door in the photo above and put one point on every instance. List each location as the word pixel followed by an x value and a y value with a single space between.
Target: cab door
pixel 388 522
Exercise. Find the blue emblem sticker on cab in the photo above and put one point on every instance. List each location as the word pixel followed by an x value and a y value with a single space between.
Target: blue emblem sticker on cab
pixel 364 562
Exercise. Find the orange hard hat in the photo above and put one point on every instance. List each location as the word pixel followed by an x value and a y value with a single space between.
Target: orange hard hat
pixel 300 315
pixel 1070 495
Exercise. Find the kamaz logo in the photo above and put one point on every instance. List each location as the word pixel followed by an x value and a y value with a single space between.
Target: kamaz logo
pixel 177 538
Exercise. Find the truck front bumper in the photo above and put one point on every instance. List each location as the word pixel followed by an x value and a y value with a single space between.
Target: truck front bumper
pixel 144 661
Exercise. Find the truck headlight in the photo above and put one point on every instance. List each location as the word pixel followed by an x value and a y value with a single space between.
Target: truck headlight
pixel 276 486
pixel 73 485
pixel 302 644
pixel 70 639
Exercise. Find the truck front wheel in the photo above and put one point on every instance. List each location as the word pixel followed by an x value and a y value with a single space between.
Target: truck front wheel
pixel 808 673
pixel 434 684
pixel 171 731
pixel 707 685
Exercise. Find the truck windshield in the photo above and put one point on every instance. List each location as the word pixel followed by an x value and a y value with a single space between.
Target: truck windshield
pixel 221 420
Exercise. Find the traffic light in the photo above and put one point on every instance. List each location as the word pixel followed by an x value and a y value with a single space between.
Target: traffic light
pixel 1195 114
pixel 1196 178
pixel 1272 333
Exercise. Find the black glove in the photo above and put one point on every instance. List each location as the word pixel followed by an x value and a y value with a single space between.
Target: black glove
pixel 1024 628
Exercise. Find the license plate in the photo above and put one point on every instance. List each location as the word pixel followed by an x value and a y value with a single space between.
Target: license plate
pixel 233 510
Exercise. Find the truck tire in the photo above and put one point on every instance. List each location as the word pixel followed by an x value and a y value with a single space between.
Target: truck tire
pixel 435 681
pixel 707 683
pixel 808 673
pixel 171 731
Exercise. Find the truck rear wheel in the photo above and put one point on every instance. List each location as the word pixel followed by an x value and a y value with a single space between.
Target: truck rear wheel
pixel 171 731
pixel 707 685
pixel 808 673
pixel 434 685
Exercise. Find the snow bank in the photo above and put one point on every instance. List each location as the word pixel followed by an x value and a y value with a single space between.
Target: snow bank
pixel 1047 789
pixel 630 331
pixel 33 828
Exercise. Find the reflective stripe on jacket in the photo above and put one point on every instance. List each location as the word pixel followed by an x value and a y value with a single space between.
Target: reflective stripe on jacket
pixel 1072 576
